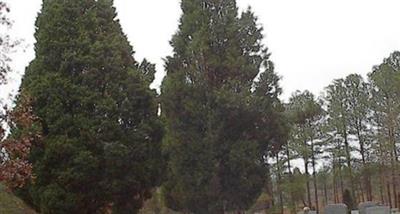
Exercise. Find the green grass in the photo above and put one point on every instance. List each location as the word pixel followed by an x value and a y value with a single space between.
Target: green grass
pixel 10 204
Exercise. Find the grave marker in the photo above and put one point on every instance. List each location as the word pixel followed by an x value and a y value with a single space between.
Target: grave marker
pixel 378 210
pixel 335 209
pixel 364 205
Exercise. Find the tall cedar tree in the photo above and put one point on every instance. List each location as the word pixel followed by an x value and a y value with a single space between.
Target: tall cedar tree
pixel 101 134
pixel 220 122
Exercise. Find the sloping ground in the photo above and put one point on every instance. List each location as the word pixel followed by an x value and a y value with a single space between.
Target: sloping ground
pixel 155 205
pixel 9 204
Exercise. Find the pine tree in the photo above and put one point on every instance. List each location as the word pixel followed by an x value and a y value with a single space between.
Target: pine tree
pixel 338 110
pixel 101 147
pixel 385 89
pixel 220 122
pixel 306 115
pixel 359 111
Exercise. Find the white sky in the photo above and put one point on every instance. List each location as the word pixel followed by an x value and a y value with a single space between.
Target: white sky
pixel 311 41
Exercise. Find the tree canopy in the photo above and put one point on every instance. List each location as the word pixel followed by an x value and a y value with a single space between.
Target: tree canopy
pixel 101 146
pixel 220 121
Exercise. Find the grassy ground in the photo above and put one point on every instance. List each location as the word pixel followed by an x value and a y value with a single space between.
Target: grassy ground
pixel 9 204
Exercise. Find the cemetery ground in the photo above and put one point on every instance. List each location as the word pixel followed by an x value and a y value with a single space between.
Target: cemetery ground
pixel 362 208
pixel 9 204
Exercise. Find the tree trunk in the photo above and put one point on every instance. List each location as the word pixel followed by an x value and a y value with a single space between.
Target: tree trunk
pixel 314 176
pixel 293 205
pixel 348 159
pixel 288 159
pixel 381 189
pixel 393 158
pixel 382 164
pixel 361 195
pixel 389 194
pixel 270 187
pixel 392 120
pixel 365 171
pixel 341 180
pixel 335 199
pixel 278 185
pixel 307 182
pixel 325 194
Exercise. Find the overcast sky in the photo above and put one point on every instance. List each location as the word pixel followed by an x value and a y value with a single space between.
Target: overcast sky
pixel 312 41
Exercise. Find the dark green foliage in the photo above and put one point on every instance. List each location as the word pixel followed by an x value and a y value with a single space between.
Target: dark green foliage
pixel 102 136
pixel 303 108
pixel 221 124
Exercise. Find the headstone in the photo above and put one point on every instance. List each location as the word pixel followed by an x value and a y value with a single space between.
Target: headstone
pixel 395 211
pixel 336 209
pixel 355 212
pixel 378 210
pixel 307 212
pixel 364 205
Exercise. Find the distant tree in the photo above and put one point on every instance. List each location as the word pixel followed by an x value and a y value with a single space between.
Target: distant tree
pixel 278 172
pixel 306 115
pixel 221 123
pixel 294 187
pixel 338 111
pixel 335 156
pixel 289 155
pixel 324 175
pixel 101 146
pixel 357 100
pixel 385 81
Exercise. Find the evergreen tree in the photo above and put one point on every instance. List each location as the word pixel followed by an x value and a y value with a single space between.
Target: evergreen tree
pixel 338 110
pixel 306 115
pixel 335 156
pixel 221 123
pixel 359 117
pixel 101 134
pixel 324 175
pixel 278 171
pixel 386 93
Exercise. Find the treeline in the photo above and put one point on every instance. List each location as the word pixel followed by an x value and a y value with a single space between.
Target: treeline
pixel 88 135
pixel 348 141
